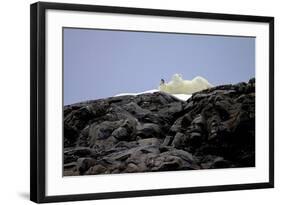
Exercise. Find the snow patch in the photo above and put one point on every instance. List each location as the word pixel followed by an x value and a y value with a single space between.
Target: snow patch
pixel 183 97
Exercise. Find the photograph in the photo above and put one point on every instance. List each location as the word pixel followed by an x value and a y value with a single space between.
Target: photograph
pixel 143 101
pixel 134 102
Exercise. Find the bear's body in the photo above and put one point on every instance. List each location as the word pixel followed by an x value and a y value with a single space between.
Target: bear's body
pixel 179 86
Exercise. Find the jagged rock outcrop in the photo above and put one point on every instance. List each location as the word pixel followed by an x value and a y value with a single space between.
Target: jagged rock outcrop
pixel 215 128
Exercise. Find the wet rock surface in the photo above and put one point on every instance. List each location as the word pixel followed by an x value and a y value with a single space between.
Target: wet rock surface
pixel 215 128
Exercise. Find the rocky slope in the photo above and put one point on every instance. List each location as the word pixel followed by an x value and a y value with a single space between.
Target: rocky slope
pixel 215 128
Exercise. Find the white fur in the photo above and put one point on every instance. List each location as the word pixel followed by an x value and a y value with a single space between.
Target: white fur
pixel 179 86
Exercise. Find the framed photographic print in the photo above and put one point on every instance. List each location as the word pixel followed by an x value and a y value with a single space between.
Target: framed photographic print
pixel 129 102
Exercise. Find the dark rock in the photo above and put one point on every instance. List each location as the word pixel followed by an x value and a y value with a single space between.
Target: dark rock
pixel 178 141
pixel 131 168
pixel 215 128
pixel 98 169
pixel 71 155
pixel 148 130
pixel 83 164
pixel 103 130
pixel 70 135
pixel 167 141
pixel 148 142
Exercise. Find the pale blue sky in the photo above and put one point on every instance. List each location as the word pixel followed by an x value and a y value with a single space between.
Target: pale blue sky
pixel 103 63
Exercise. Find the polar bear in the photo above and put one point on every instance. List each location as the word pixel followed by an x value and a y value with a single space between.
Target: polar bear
pixel 179 86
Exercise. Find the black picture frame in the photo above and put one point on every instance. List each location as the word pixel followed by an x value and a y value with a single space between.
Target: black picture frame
pixel 38 101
